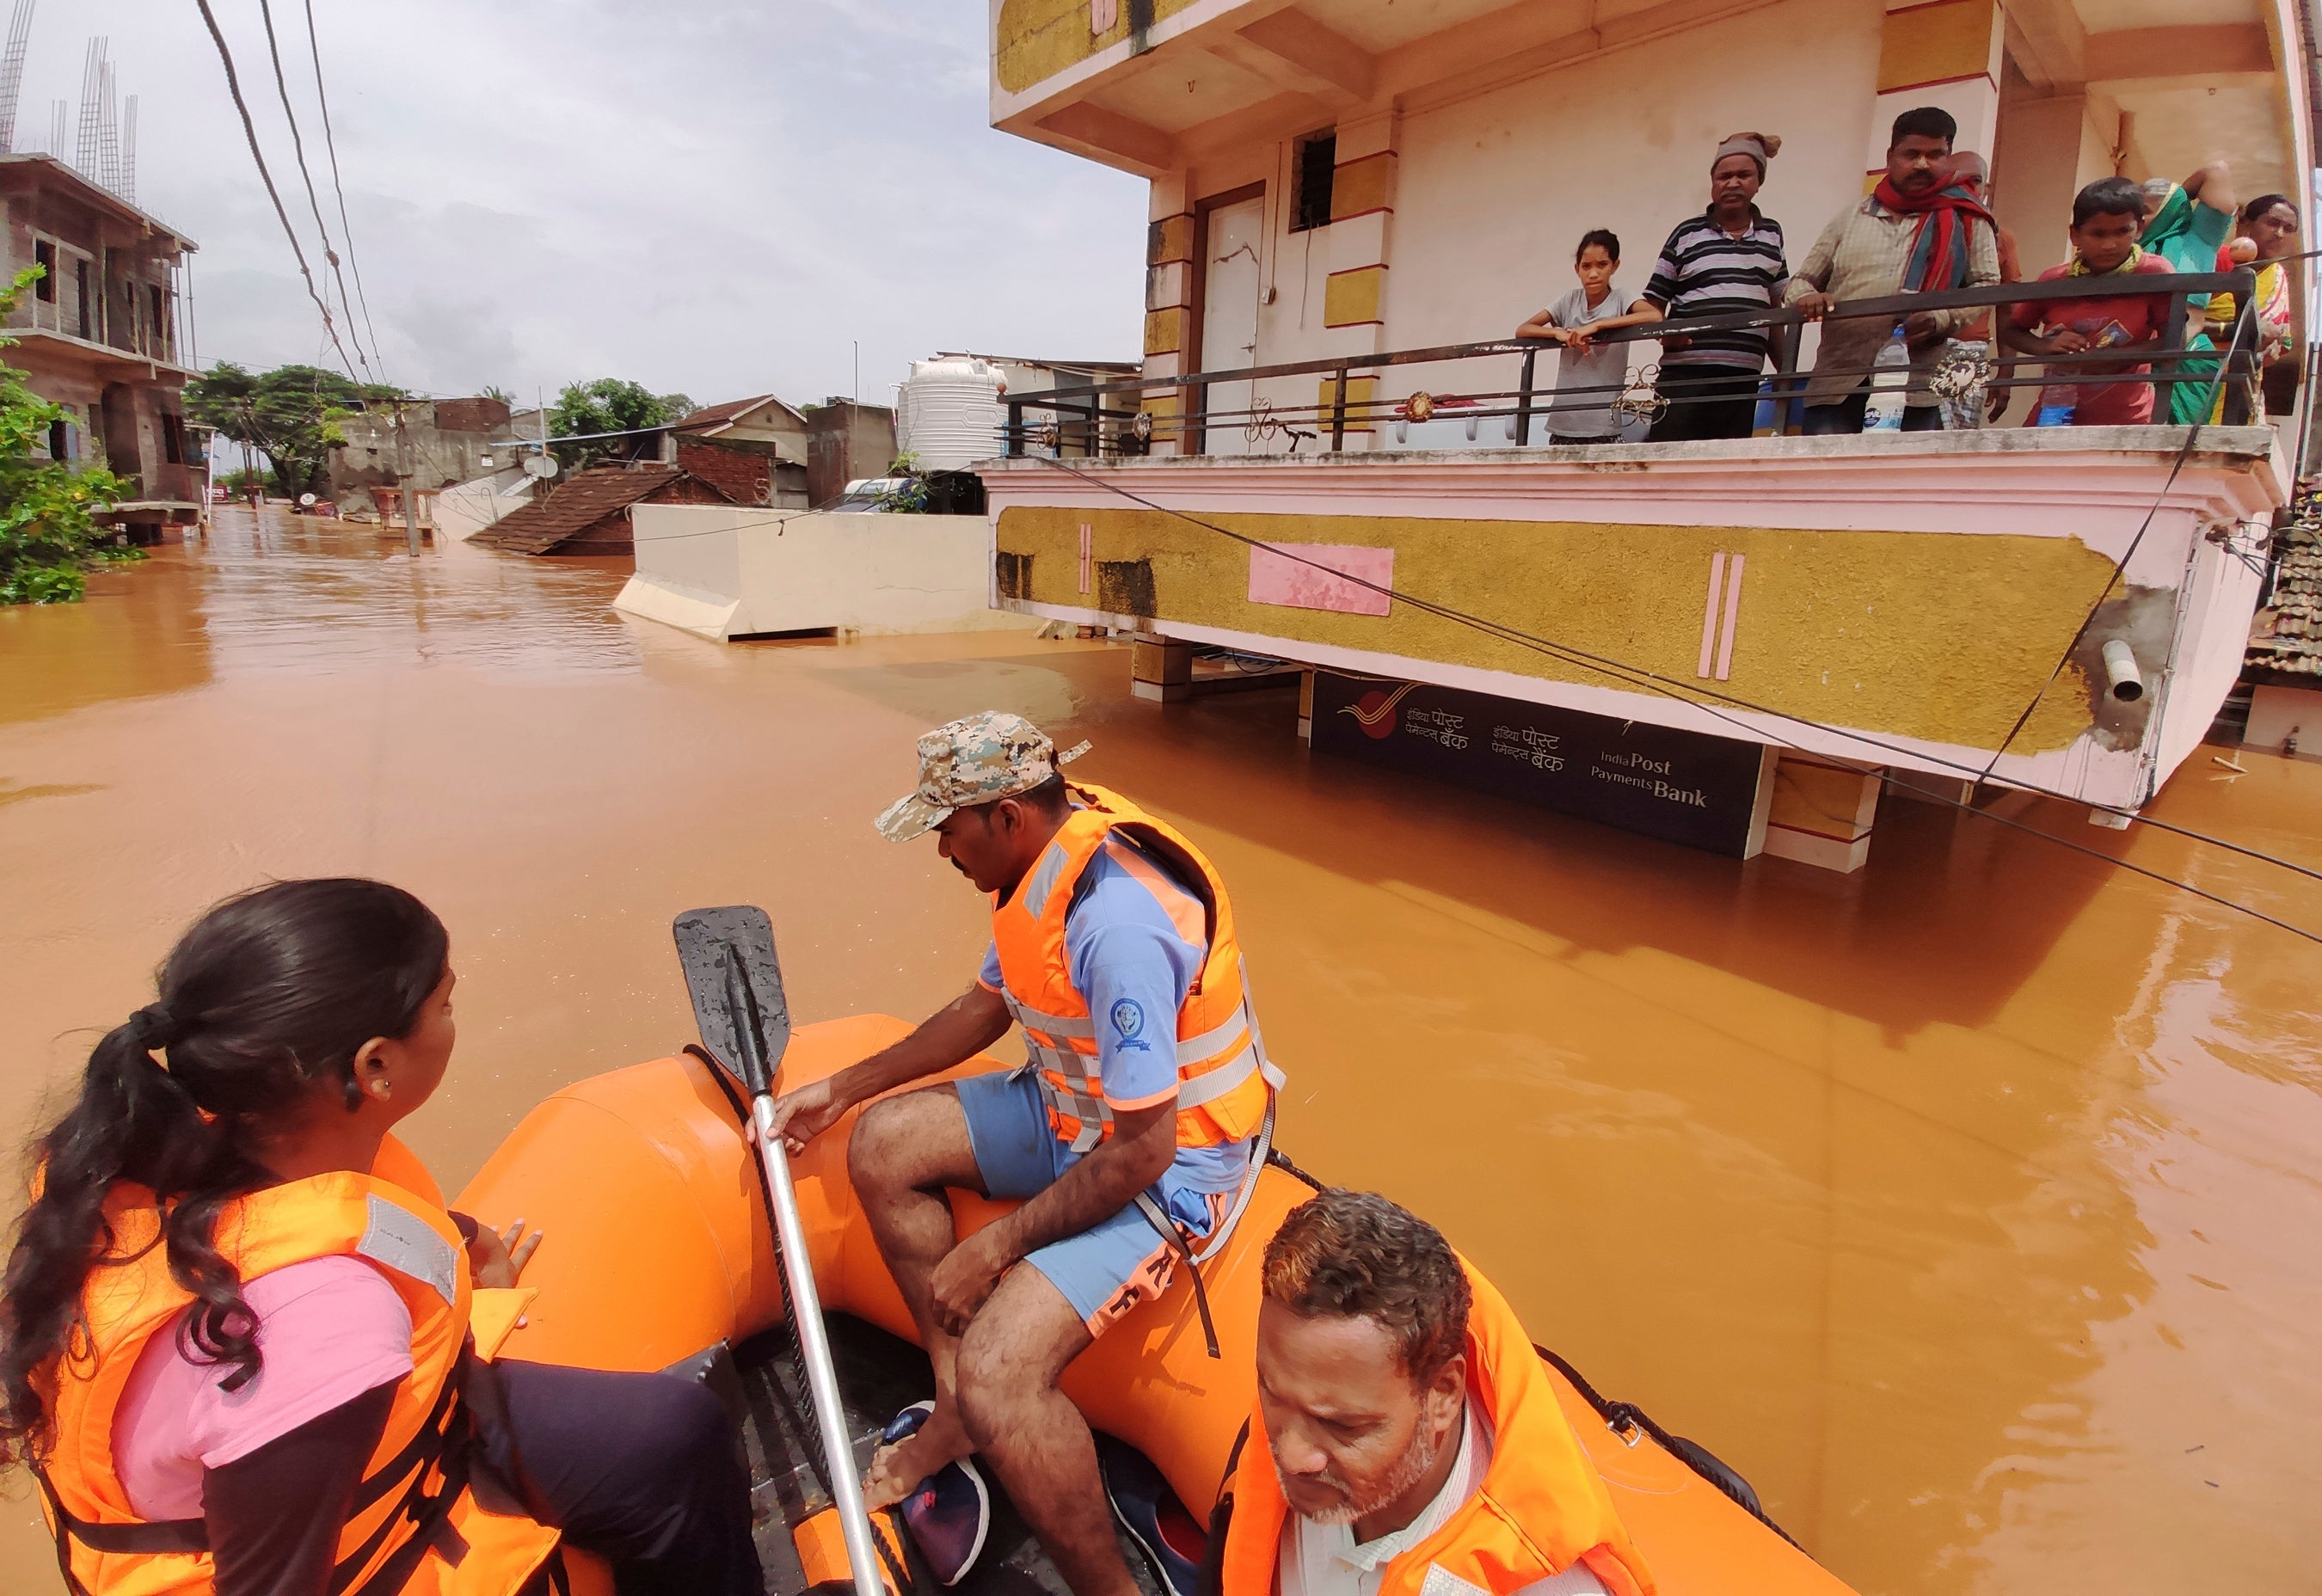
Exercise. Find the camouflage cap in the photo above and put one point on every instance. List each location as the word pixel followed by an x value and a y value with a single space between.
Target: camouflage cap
pixel 979 759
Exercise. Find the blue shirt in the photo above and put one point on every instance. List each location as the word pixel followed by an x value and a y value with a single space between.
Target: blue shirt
pixel 1135 940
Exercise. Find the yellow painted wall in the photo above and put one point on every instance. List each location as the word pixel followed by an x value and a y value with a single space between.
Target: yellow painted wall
pixel 1920 635
pixel 1037 39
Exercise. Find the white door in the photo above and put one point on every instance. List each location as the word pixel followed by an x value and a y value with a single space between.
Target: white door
pixel 1230 319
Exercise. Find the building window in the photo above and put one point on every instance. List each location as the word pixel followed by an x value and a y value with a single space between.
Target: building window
pixel 173 438
pixel 60 439
pixel 1318 162
pixel 160 320
pixel 44 255
pixel 80 281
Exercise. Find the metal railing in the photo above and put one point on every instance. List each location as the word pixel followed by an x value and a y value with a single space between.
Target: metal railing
pixel 1090 420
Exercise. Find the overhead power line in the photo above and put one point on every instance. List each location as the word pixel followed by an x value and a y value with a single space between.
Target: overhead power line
pixel 298 152
pixel 250 132
pixel 346 232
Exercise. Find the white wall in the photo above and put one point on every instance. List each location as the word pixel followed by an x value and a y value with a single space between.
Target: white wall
pixel 463 511
pixel 730 570
pixel 1495 190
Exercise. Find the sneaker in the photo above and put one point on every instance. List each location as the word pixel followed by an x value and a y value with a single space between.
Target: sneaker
pixel 949 1513
pixel 1173 1541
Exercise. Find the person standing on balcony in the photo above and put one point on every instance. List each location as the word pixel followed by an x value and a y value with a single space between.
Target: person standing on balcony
pixel 1728 261
pixel 1920 231
pixel 2106 216
pixel 2268 231
pixel 2186 224
pixel 1587 378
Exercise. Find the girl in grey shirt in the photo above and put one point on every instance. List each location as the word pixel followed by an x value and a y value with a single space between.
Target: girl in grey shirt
pixel 1588 375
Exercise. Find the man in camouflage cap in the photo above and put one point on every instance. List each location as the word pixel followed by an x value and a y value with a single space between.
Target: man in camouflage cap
pixel 1139 1115
pixel 976 760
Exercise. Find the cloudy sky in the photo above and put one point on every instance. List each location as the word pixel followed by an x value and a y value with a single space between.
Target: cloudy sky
pixel 714 197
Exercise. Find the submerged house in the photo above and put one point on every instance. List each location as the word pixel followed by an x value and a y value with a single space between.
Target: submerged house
pixel 588 513
pixel 1337 458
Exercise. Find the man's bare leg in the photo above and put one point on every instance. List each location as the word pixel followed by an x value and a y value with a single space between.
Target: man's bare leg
pixel 904 1152
pixel 1030 1433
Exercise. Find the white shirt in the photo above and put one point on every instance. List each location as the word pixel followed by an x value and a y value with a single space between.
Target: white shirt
pixel 1326 1560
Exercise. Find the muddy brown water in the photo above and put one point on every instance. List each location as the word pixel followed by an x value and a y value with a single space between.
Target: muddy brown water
pixel 1970 1206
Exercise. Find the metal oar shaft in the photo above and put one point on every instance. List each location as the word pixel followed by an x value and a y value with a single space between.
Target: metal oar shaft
pixel 814 1347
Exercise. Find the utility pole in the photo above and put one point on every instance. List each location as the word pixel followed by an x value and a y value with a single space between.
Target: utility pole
pixel 856 393
pixel 405 470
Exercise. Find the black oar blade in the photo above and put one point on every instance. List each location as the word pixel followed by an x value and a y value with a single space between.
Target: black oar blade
pixel 703 937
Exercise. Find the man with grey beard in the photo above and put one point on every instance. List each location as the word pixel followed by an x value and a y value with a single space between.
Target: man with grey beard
pixel 1407 1441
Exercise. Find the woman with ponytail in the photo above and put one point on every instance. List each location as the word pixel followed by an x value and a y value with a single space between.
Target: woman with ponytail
pixel 242 1345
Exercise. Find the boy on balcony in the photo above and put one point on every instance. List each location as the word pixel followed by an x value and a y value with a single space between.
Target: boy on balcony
pixel 2106 217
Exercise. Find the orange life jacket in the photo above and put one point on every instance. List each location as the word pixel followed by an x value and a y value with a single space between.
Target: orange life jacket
pixel 1541 1507
pixel 417 1529
pixel 1224 1081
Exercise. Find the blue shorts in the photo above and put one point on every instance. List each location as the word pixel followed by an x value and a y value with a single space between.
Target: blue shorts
pixel 1116 1263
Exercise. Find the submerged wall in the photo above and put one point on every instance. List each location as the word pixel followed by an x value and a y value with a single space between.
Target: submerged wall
pixel 735 571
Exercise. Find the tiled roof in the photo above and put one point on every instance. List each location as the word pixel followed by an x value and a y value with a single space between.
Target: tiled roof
pixel 2286 637
pixel 716 414
pixel 578 503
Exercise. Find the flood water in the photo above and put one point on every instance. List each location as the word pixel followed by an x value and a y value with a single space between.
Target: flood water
pixel 1971 1206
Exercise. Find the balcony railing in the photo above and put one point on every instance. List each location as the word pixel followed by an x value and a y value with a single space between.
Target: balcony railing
pixel 1119 418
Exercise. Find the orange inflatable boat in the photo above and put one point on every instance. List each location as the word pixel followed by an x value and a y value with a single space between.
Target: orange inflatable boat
pixel 660 1255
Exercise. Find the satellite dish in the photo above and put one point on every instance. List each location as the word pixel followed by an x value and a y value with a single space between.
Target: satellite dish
pixel 540 465
pixel 307 500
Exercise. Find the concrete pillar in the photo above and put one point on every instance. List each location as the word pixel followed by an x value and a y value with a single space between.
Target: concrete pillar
pixel 1945 54
pixel 1161 670
pixel 1168 305
pixel 1362 236
pixel 1822 813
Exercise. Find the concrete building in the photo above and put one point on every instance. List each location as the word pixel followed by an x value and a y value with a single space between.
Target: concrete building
pixel 422 444
pixel 1731 644
pixel 847 441
pixel 102 332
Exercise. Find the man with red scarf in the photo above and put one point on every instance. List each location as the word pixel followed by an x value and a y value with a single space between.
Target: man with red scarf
pixel 1919 231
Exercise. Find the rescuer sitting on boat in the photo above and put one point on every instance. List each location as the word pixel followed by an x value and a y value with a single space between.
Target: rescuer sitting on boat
pixel 1406 1441
pixel 1129 1131
pixel 241 1340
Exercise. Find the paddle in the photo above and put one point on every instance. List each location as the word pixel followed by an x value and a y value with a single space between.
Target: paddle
pixel 737 984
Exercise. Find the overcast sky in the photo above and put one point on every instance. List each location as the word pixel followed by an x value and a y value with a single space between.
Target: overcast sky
pixel 713 197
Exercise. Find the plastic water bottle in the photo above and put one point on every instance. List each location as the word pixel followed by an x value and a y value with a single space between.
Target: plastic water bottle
pixel 1890 375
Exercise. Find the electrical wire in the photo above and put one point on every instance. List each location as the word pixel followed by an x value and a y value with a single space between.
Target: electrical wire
pixel 299 150
pixel 1635 675
pixel 346 232
pixel 250 132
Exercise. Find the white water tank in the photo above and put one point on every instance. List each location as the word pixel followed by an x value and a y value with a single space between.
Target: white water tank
pixel 949 414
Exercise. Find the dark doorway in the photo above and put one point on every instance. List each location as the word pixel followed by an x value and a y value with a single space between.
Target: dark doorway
pixel 118 412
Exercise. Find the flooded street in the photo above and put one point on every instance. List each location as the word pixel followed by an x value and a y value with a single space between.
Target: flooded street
pixel 1971 1207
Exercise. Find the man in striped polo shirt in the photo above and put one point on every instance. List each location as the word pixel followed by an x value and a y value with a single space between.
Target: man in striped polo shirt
pixel 1727 260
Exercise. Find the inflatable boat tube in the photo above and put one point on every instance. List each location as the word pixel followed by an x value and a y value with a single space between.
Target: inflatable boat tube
pixel 657 1249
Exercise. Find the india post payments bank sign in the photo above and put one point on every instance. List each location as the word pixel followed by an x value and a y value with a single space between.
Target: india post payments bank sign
pixel 1683 787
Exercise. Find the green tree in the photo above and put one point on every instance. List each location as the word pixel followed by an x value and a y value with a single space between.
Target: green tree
pixel 611 404
pixel 49 535
pixel 292 413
